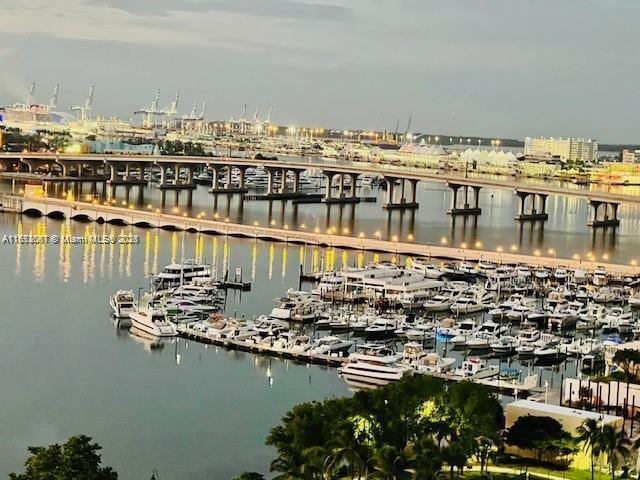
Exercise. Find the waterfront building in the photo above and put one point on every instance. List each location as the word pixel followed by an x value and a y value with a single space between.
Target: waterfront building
pixel 630 156
pixel 569 418
pixel 578 150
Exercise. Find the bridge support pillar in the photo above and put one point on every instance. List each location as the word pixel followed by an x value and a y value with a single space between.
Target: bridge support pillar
pixel 296 181
pixel 466 208
pixel 402 203
pixel 605 214
pixel 537 209
pixel 329 186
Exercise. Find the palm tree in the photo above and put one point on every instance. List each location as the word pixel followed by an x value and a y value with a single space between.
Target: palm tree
pixel 589 434
pixel 615 444
pixel 392 464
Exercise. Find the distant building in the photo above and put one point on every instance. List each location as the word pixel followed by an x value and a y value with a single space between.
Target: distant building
pixel 576 150
pixel 630 156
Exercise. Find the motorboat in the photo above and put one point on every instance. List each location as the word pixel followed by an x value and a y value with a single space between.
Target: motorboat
pixel 374 365
pixel 524 271
pixel 561 273
pixel 466 305
pixel 541 273
pixel 475 368
pixel 617 321
pixel 382 328
pixel 505 345
pixel 600 277
pixel 122 303
pixel 152 321
pixel 425 362
pixel 439 303
pixel 331 345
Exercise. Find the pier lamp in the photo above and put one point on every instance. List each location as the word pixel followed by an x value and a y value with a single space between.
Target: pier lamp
pixel 285 226
pixel 361 235
pixel 410 237
pixel 215 215
pixel 273 223
pixel 158 211
pixel 175 210
pixel 576 257
pixel 123 203
pixel 514 248
pixel 634 263
pixel 463 245
pixel 552 251
pixel 345 231
pixel 303 226
pixel 605 256
pixel 184 214
pixel 478 244
pixel 150 206
pixel 394 238
pixel 316 230
pixel 499 249
pixel 255 224
pixel 226 220
pixel 131 206
pixel 444 240
pixel 378 234
pixel 536 252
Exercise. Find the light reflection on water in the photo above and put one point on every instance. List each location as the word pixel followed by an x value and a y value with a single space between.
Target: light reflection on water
pixel 72 372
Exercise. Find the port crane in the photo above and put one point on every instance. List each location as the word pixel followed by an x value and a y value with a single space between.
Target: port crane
pixel 150 113
pixel 53 103
pixel 170 113
pixel 83 110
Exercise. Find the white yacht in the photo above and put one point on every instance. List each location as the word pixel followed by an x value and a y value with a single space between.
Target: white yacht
pixel 600 276
pixel 331 345
pixel 439 303
pixel 122 303
pixel 505 345
pixel 372 366
pixel 176 274
pixel 153 321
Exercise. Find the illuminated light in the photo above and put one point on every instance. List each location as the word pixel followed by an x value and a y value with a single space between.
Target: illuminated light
pixel 149 206
pixel 361 235
pixel 551 251
pixel 130 207
pixel 378 234
pixel 576 256
pixel 215 215
pixel 303 226
pixel 273 223
pixel 499 249
pixel 444 240
pixel 255 224
pixel 184 214
pixel 634 263
pixel 316 230
pixel 226 219
pixel 463 245
pixel 605 256
pixel 157 210
pixel 286 227
pixel 536 253
pixel 478 244
pixel 410 237
pixel 514 248
pixel 124 202
pixel 345 231
pixel 394 238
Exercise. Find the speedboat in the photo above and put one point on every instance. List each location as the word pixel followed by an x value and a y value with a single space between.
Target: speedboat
pixel 153 321
pixel 600 276
pixel 122 303
pixel 439 303
pixel 331 345
pixel 541 273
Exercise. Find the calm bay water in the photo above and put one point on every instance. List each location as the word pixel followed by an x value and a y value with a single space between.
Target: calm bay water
pixel 65 368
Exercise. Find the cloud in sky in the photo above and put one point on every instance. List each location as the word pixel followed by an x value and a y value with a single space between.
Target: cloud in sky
pixel 503 68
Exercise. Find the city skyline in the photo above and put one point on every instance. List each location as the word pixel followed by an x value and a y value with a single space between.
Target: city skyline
pixel 508 69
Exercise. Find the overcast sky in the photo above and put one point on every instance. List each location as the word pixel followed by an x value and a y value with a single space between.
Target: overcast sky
pixel 506 68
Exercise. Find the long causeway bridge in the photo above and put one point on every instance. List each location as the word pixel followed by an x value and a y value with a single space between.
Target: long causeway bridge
pixel 134 171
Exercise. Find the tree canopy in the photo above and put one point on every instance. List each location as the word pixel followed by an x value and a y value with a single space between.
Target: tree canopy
pixel 545 435
pixel 409 429
pixel 78 458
